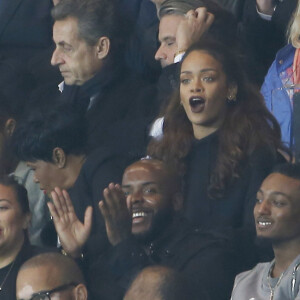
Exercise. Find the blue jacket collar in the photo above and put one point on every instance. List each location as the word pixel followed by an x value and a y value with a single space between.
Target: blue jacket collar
pixel 285 57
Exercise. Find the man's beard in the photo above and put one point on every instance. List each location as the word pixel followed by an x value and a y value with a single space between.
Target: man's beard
pixel 159 222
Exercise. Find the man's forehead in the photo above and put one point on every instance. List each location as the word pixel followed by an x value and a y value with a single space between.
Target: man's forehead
pixel 143 170
pixel 65 30
pixel 149 165
pixel 168 25
pixel 35 279
pixel 277 182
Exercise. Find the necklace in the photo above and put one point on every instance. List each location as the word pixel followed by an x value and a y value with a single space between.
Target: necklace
pixel 269 281
pixel 6 276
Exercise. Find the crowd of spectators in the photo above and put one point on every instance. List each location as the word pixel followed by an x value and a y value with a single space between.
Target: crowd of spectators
pixel 148 149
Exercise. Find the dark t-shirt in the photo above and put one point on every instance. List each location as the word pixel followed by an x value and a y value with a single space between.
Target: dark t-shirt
pixel 235 208
pixel 8 291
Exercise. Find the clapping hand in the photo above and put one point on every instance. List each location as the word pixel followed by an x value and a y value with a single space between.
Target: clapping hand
pixel 72 233
pixel 113 207
pixel 266 6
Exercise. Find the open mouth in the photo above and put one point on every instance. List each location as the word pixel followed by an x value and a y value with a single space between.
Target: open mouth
pixel 138 216
pixel 197 104
pixel 263 224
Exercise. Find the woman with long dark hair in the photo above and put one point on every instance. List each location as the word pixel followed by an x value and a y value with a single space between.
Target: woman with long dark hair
pixel 219 135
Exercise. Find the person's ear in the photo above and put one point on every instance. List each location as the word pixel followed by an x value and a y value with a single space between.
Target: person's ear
pixel 59 157
pixel 177 201
pixel 103 47
pixel 232 91
pixel 9 127
pixel 27 220
pixel 80 292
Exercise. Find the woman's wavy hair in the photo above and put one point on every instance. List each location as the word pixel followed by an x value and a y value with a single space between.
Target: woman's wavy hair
pixel 248 125
pixel 293 32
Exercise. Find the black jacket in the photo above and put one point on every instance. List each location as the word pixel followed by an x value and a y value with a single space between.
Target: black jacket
pixel 122 108
pixel 205 258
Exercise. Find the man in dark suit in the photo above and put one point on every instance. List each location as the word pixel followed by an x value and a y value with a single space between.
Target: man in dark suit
pixel 119 106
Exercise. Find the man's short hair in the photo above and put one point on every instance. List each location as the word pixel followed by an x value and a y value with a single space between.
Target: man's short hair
pixel 224 26
pixel 46 128
pixel 288 169
pixel 181 7
pixel 68 269
pixel 96 18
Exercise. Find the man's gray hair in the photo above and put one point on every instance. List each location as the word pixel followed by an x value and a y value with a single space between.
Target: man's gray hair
pixel 178 7
pixel 223 28
pixel 96 18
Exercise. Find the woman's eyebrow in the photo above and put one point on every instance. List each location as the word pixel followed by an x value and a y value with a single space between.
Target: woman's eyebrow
pixel 4 200
pixel 201 71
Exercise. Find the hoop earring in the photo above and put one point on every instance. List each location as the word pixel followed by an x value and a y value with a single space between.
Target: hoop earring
pixel 231 99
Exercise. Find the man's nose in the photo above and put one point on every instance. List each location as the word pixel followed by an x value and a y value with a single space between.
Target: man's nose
pixel 160 54
pixel 137 196
pixel 264 207
pixel 56 58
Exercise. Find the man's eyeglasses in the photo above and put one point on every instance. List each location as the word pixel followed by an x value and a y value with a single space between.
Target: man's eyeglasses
pixel 45 295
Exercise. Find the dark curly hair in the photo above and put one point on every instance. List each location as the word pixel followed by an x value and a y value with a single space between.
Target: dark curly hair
pixel 248 125
pixel 47 127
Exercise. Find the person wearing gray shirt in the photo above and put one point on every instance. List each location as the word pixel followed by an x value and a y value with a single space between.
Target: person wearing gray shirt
pixel 277 214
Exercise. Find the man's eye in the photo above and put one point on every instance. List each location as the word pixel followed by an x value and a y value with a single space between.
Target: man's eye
pixel 150 191
pixel 3 207
pixel 67 49
pixel 170 44
pixel 259 201
pixel 278 203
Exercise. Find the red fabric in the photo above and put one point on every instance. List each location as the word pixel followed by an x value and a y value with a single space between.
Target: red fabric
pixel 296 69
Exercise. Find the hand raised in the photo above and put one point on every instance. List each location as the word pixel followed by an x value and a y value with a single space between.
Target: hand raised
pixel 114 210
pixel 192 27
pixel 72 233
pixel 266 6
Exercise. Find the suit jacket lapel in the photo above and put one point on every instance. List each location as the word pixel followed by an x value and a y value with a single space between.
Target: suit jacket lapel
pixel 7 10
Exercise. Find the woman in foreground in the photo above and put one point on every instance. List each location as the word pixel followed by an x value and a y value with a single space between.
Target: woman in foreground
pixel 220 136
